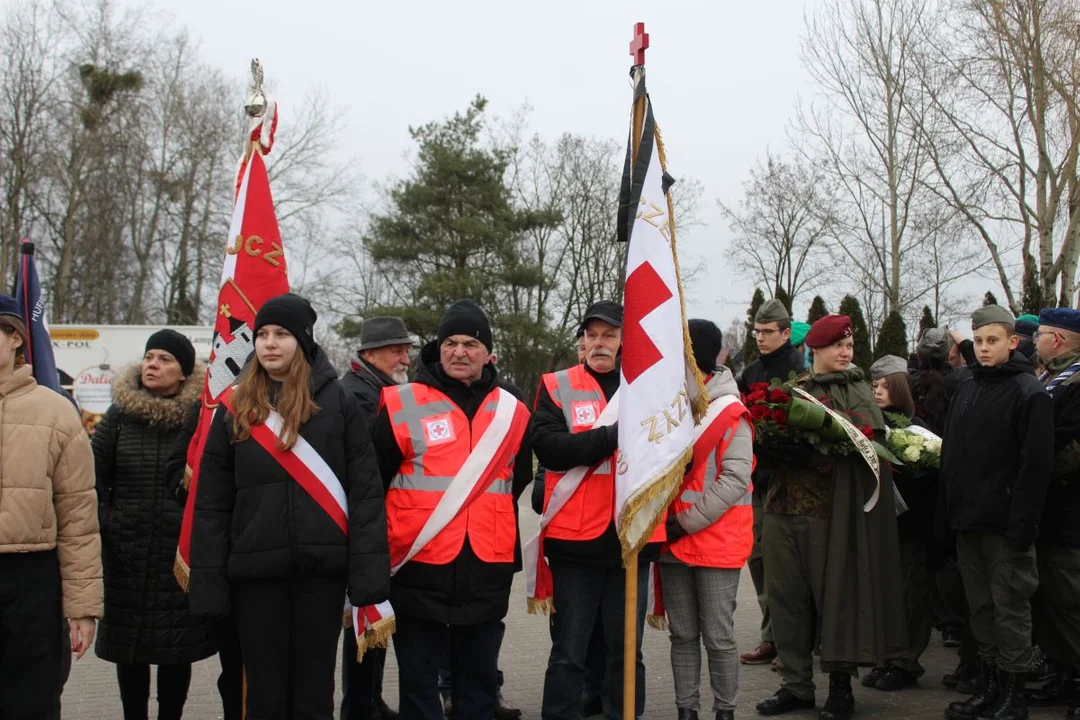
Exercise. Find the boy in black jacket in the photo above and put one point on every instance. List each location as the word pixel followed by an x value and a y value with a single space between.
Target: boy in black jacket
pixel 997 454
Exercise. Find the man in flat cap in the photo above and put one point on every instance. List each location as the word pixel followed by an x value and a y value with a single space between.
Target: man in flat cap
pixel 777 358
pixel 996 461
pixel 1056 607
pixel 382 361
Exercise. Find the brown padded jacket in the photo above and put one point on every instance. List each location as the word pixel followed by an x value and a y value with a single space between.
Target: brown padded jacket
pixel 47 496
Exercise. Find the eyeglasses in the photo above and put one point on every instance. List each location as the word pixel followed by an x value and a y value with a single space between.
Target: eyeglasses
pixel 1039 333
pixel 765 332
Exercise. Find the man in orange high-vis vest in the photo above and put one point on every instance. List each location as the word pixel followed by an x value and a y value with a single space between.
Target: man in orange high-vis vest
pixel 710 528
pixel 580 541
pixel 456 587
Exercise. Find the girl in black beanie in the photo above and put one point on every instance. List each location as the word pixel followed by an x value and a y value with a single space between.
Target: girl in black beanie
pixel 289 515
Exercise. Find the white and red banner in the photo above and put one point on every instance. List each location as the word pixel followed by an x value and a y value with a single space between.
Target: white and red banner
pixel 662 392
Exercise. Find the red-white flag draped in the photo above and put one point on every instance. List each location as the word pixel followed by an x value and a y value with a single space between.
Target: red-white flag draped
pixel 254 271
pixel 662 396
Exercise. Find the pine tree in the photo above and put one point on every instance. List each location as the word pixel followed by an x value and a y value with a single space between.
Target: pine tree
pixel 750 351
pixel 850 306
pixel 784 298
pixel 892 337
pixel 926 321
pixel 817 310
pixel 989 299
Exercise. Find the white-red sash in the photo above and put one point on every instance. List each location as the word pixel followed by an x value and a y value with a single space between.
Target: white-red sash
pixel 537 573
pixel 304 465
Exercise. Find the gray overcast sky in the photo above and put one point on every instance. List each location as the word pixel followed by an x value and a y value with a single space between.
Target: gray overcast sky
pixel 724 77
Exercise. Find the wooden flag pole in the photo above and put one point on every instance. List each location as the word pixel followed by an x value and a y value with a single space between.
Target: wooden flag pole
pixel 637 49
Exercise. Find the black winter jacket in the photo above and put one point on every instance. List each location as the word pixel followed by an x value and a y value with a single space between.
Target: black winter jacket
pixel 1061 513
pixel 176 465
pixel 558 449
pixel 467 590
pixel 147 618
pixel 996 453
pixel 254 522
pixel 780 363
pixel 366 382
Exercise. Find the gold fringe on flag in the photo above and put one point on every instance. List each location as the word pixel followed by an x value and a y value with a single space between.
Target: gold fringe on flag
pixel 657 622
pixel 181 572
pixel 377 636
pixel 666 485
pixel 540 606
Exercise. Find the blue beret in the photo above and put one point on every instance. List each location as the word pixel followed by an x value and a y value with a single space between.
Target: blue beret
pixel 8 306
pixel 1064 318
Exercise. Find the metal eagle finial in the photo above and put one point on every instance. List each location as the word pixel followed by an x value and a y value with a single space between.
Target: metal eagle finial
pixel 256 105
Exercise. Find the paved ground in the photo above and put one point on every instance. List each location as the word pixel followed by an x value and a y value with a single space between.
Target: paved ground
pixel 91 692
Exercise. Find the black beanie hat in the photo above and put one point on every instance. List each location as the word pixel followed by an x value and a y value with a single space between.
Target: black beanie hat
pixel 707 341
pixel 464 317
pixel 176 345
pixel 296 315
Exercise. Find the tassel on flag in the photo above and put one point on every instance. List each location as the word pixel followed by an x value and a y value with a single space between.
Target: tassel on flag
pixel 32 306
pixel 254 271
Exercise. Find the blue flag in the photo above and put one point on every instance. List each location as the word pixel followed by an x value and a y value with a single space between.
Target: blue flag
pixel 31 302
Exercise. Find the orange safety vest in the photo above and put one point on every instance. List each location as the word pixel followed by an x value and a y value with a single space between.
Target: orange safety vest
pixel 435 438
pixel 728 541
pixel 590 510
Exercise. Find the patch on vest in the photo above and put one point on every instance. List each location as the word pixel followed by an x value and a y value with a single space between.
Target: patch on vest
pixel 438 429
pixel 585 412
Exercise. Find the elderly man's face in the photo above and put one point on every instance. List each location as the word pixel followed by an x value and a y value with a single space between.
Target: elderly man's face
pixel 602 342
pixel 393 360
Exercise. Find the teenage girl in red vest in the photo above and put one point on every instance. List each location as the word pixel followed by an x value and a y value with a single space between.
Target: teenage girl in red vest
pixel 289 513
pixel 710 533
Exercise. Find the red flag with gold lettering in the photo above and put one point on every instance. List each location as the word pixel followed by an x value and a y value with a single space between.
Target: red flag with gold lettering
pixel 254 272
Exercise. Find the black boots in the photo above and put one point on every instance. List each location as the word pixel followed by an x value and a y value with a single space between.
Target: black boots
pixel 687 714
pixel 784 701
pixel 1059 690
pixel 966 675
pixel 725 715
pixel 1011 705
pixel 985 697
pixel 840 704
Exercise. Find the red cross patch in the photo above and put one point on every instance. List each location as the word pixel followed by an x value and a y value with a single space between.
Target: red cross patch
pixel 438 429
pixel 584 412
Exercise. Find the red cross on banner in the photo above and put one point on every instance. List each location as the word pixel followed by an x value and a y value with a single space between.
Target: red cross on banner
pixel 645 291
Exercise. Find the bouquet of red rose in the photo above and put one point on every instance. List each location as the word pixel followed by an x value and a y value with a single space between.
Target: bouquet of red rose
pixel 789 430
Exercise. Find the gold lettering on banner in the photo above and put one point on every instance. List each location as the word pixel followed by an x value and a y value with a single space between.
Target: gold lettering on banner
pixel 235 247
pixel 655 216
pixel 272 256
pixel 250 247
pixel 664 422
pixel 621 465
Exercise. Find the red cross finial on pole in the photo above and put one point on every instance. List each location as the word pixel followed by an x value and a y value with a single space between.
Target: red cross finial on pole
pixel 639 44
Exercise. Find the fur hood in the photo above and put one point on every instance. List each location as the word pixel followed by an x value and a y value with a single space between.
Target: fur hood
pixel 170 412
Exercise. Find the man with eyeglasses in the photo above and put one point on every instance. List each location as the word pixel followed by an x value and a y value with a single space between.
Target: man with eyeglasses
pixel 1056 614
pixel 777 358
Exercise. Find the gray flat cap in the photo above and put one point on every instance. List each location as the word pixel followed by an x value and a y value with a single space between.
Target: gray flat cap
pixel 992 314
pixel 887 365
pixel 771 311
pixel 379 332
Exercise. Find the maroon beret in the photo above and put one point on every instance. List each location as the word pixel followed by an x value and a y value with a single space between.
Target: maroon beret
pixel 828 330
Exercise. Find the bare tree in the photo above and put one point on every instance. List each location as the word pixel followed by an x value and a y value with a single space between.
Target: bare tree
pixel 782 224
pixel 1003 81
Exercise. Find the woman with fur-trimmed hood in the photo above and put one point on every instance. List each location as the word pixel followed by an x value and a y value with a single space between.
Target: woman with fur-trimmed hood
pixel 147 620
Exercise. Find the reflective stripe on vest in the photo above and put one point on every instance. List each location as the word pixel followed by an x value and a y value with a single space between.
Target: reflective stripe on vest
pixel 712 474
pixel 412 415
pixel 580 407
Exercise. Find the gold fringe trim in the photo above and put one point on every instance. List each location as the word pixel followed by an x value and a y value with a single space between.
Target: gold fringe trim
pixel 377 636
pixel 657 622
pixel 181 572
pixel 665 485
pixel 540 606
pixel 187 477
pixel 346 619
pixel 699 400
